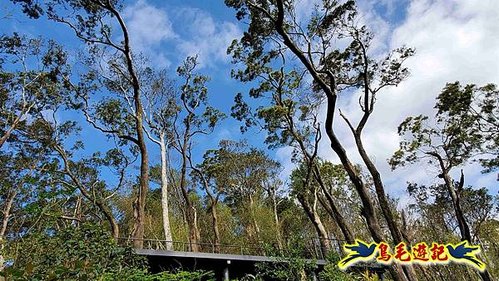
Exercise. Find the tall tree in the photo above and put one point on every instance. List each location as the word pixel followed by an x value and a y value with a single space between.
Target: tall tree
pixel 291 119
pixel 90 21
pixel 434 219
pixel 242 175
pixel 212 174
pixel 160 108
pixel 196 117
pixel 273 26
pixel 31 82
pixel 458 134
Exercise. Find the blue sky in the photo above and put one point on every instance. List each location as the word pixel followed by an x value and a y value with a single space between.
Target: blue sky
pixel 454 40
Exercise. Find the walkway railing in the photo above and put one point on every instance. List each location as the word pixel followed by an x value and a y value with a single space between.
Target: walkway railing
pixel 311 249
pixel 155 244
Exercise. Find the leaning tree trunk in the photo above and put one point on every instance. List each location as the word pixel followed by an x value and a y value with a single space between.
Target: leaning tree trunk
pixel 140 200
pixel 380 191
pixel 318 225
pixel 98 202
pixel 5 221
pixel 368 210
pixel 383 200
pixel 335 213
pixel 115 229
pixel 456 204
pixel 9 131
pixel 464 229
pixel 6 213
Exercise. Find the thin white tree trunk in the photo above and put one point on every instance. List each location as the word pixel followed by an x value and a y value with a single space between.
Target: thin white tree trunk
pixel 164 193
pixel 3 230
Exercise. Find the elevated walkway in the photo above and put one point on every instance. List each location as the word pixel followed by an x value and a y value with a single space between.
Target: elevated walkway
pixel 234 261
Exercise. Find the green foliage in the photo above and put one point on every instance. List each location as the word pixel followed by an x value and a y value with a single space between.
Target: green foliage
pixel 331 271
pixel 290 81
pixel 291 265
pixel 137 275
pixel 239 171
pixel 194 99
pixel 73 253
pixel 31 81
pixel 86 252
pixel 470 106
pixel 465 128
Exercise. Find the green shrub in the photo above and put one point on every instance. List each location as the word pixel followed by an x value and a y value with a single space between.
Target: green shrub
pixel 163 276
pixel 75 253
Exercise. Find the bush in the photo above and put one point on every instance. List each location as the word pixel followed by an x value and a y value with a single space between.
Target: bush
pixel 331 271
pixel 163 276
pixel 75 253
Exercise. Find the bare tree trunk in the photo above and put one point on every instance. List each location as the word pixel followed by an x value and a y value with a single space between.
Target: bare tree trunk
pixel 140 141
pixel 5 221
pixel 164 193
pixel 115 229
pixel 318 225
pixel 335 231
pixel 191 215
pixel 139 212
pixel 335 213
pixel 194 234
pixel 9 131
pixel 99 203
pixel 212 208
pixel 253 218
pixel 310 160
pixel 380 191
pixel 6 213
pixel 277 223
pixel 216 231
pixel 191 212
pixel 456 203
pixel 368 210
pixel 383 200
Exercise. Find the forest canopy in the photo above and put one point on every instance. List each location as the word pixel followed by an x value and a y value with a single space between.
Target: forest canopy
pixel 284 127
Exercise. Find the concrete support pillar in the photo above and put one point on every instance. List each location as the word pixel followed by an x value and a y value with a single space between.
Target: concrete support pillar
pixel 226 271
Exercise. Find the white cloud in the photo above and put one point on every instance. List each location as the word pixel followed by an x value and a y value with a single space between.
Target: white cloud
pixel 377 24
pixel 454 41
pixel 284 156
pixel 305 8
pixel 149 26
pixel 205 37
